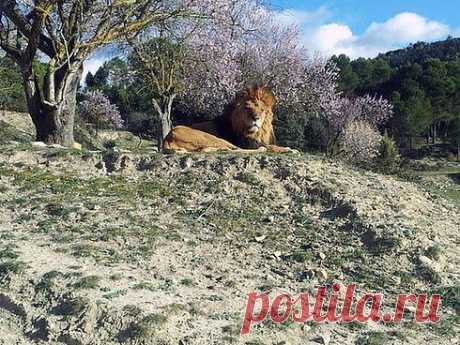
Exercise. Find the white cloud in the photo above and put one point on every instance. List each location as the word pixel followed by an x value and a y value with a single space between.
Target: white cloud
pixel 396 32
pixel 405 28
pixel 332 39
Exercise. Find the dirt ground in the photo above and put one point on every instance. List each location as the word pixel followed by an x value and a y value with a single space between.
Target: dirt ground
pixel 110 247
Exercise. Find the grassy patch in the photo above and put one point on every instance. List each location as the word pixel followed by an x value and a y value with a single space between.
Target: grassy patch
pixel 356 326
pixel 146 328
pixel 450 297
pixel 11 267
pixel 89 282
pixel 144 286
pixel 447 327
pixel 454 196
pixel 9 263
pixel 369 278
pixel 8 253
pixel 372 338
pixel 47 280
pixel 58 211
pixel 187 282
pixel 248 178
pixel 69 187
pixel 301 256
pixel 84 250
pixel 10 133
pixel 115 294
pixel 449 191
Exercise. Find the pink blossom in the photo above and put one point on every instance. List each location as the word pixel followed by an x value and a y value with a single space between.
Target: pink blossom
pixel 98 110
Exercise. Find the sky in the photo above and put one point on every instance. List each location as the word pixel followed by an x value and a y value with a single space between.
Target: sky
pixel 359 28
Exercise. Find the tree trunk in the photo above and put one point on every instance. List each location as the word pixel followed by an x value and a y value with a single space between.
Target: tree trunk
pixel 166 127
pixel 163 109
pixel 52 107
pixel 55 126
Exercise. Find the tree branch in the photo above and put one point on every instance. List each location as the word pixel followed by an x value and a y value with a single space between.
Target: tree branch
pixel 45 44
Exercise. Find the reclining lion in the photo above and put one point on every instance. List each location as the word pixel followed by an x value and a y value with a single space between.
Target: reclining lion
pixel 246 125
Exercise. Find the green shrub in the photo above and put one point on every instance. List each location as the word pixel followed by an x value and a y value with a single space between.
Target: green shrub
pixel 388 161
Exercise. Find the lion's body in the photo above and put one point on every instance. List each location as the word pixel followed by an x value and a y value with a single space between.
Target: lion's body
pixel 187 139
pixel 245 125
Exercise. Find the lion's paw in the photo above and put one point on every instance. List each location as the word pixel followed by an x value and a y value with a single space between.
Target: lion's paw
pixel 293 151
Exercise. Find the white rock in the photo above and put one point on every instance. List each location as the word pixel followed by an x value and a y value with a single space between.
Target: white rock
pixel 428 263
pixel 425 260
pixel 260 238
pixel 77 146
pixel 39 145
pixel 56 146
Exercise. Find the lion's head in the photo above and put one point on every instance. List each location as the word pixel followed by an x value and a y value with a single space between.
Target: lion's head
pixel 251 114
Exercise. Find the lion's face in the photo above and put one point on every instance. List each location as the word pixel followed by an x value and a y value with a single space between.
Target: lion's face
pixel 254 115
pixel 253 111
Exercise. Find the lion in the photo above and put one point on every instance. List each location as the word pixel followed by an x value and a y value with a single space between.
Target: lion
pixel 245 126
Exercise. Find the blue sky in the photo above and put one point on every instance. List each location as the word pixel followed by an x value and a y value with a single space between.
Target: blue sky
pixel 360 13
pixel 366 28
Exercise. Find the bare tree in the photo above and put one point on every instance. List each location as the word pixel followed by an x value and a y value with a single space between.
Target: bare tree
pixel 158 61
pixel 62 34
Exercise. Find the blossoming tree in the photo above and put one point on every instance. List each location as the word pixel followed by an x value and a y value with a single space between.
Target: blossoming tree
pixel 97 110
pixel 257 49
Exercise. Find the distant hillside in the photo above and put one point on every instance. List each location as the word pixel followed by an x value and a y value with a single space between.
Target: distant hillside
pixel 423 83
pixel 419 52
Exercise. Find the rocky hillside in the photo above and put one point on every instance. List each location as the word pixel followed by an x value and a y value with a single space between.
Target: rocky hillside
pixel 117 247
pixel 109 248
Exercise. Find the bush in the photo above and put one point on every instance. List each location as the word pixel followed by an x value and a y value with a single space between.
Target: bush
pixel 317 136
pixel 141 123
pixel 360 141
pixel 97 110
pixel 388 160
pixel 11 91
pixel 289 130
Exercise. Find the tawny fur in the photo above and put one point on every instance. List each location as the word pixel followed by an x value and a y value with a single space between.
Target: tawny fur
pixel 184 138
pixel 246 125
